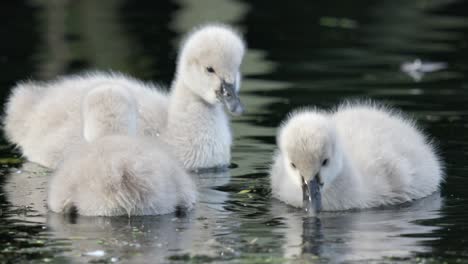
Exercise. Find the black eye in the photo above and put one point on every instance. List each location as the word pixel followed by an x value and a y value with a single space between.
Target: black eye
pixel 293 165
pixel 325 162
pixel 210 69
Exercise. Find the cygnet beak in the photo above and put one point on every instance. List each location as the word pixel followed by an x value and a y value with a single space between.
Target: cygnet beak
pixel 228 95
pixel 312 198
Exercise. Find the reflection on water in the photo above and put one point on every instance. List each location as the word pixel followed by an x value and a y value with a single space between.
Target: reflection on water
pixel 135 239
pixel 300 52
pixel 366 235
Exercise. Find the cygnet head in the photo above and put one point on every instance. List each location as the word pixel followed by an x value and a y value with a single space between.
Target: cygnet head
pixel 309 148
pixel 209 65
pixel 108 109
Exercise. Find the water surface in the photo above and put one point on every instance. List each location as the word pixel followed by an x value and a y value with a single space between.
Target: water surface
pixel 300 53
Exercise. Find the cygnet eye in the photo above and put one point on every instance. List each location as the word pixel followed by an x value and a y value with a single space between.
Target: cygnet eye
pixel 210 69
pixel 325 162
pixel 293 165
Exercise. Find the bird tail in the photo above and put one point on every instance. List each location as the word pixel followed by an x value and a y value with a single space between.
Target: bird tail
pixel 18 108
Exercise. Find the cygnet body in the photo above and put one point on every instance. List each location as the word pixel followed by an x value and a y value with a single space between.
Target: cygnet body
pixel 118 173
pixel 44 119
pixel 359 156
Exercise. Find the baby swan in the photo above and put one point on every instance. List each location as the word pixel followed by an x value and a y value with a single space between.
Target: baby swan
pixel 114 174
pixel 359 156
pixel 207 77
pixel 44 119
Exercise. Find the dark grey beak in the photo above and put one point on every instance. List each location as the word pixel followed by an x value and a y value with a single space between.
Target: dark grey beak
pixel 230 98
pixel 312 198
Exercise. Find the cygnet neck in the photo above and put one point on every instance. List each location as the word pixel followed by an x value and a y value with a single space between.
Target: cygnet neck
pixel 183 101
pixel 199 131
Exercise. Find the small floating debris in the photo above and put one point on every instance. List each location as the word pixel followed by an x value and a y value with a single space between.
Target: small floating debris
pixel 96 253
pixel 417 68
pixel 38 242
pixel 10 161
pixel 253 241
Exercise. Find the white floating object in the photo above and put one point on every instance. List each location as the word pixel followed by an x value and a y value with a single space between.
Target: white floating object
pixel 96 253
pixel 417 68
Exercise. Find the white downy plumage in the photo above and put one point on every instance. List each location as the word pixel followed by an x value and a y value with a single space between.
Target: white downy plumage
pixel 44 119
pixel 123 174
pixel 362 155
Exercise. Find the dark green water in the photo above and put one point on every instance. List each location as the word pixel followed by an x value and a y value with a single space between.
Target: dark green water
pixel 300 53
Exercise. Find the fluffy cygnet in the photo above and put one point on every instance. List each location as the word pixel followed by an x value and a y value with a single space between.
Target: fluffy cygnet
pixel 44 119
pixel 207 78
pixel 114 174
pixel 359 156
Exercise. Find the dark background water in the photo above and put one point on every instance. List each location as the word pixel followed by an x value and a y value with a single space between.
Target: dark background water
pixel 300 53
